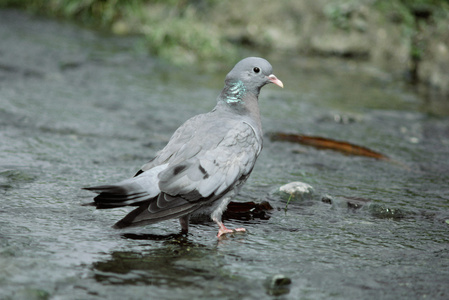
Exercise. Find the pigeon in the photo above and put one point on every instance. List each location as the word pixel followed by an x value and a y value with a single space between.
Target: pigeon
pixel 204 164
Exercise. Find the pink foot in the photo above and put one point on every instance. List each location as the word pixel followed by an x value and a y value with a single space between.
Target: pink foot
pixel 224 230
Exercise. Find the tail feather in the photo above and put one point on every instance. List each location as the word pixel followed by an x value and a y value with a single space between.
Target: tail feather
pixel 117 196
pixel 130 192
pixel 142 191
pixel 124 199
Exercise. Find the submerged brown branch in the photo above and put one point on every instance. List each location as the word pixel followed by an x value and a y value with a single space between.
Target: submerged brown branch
pixel 325 143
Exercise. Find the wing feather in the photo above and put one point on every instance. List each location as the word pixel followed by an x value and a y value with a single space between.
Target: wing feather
pixel 213 169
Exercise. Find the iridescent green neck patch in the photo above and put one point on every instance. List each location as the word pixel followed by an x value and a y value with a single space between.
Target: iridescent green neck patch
pixel 235 92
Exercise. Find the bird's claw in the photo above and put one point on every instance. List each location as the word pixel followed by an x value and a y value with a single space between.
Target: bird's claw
pixel 224 230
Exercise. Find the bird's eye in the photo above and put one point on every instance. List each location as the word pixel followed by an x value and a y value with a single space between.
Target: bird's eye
pixel 256 70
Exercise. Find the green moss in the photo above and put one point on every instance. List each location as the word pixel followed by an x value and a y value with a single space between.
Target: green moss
pixel 414 16
pixel 182 36
pixel 339 13
pixel 174 30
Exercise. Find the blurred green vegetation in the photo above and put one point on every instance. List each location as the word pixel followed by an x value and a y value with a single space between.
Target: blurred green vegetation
pixel 174 30
pixel 187 31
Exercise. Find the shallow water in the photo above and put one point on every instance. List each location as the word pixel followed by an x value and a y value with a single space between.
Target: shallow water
pixel 78 108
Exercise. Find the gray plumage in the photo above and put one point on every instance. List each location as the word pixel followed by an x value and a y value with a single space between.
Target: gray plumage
pixel 206 161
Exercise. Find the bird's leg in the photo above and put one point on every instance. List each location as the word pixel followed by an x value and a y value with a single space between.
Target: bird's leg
pixel 216 217
pixel 184 221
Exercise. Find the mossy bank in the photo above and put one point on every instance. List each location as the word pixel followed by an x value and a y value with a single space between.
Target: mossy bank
pixel 409 38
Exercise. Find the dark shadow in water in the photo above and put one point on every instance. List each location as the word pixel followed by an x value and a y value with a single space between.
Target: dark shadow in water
pixel 155 237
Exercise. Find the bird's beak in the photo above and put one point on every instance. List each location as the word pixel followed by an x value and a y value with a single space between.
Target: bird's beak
pixel 275 80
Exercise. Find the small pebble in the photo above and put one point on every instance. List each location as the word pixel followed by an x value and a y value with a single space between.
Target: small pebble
pixel 278 285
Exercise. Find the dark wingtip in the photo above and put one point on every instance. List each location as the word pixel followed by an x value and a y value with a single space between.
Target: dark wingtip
pixel 121 224
pixel 128 220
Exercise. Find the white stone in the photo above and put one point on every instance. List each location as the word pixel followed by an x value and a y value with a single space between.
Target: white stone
pixel 297 188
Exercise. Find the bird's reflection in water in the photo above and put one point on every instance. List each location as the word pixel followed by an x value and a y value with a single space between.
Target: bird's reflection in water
pixel 175 260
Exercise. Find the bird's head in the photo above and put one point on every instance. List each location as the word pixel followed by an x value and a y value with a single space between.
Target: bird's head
pixel 254 73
